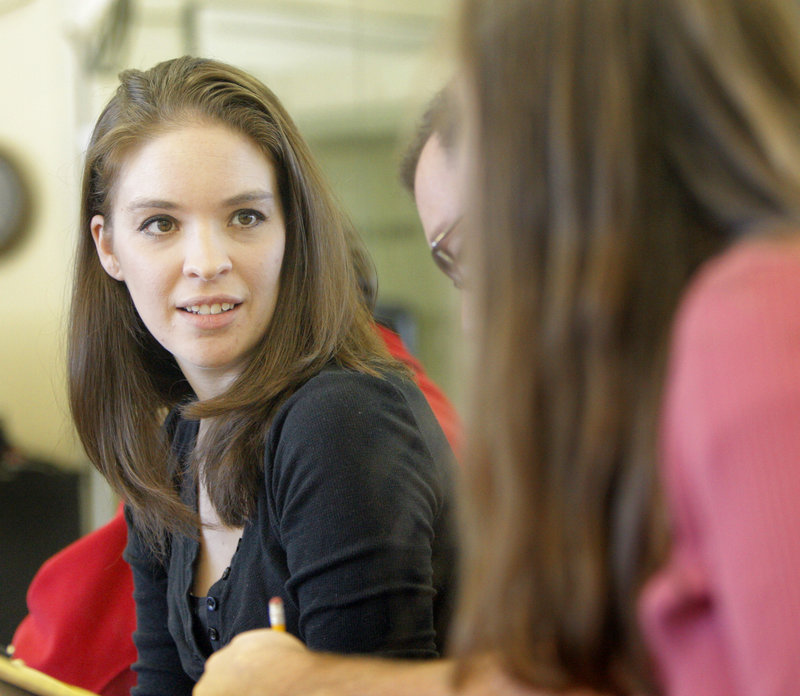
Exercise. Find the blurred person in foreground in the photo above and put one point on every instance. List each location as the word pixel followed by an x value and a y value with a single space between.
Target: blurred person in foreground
pixel 632 175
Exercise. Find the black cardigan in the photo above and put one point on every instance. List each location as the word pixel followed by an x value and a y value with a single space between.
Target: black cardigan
pixel 353 530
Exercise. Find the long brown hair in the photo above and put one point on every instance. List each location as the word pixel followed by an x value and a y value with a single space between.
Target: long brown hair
pixel 121 381
pixel 617 144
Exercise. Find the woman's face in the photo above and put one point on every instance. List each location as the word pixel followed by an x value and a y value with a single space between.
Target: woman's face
pixel 197 235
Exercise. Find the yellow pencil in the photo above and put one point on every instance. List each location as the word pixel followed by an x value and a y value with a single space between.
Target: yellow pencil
pixel 277 619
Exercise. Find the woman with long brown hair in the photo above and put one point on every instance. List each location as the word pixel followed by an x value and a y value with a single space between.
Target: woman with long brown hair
pixel 215 286
pixel 631 523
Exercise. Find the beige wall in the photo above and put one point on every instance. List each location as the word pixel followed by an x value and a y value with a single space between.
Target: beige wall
pixel 36 124
pixel 47 107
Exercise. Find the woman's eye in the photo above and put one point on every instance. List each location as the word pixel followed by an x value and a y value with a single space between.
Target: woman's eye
pixel 247 218
pixel 158 225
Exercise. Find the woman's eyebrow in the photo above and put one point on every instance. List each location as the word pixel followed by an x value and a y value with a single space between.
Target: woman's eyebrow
pixel 250 197
pixel 143 203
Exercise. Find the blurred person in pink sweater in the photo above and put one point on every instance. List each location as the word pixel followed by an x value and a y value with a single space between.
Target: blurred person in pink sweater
pixel 631 171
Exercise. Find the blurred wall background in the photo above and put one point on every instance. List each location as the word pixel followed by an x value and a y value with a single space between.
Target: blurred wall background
pixel 355 74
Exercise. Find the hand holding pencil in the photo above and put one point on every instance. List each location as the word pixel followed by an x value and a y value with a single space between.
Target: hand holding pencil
pixel 265 660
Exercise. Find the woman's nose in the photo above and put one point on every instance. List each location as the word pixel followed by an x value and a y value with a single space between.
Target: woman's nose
pixel 206 255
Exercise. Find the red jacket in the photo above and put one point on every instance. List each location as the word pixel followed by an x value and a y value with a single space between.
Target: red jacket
pixel 81 610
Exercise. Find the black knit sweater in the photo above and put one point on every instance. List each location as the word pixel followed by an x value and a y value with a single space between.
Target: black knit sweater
pixel 353 530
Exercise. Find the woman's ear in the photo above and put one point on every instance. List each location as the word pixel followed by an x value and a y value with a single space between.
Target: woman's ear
pixel 105 249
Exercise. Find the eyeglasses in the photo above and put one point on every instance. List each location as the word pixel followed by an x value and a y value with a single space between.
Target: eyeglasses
pixel 446 261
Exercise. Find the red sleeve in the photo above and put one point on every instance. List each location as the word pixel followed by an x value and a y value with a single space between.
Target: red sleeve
pixel 735 418
pixel 440 405
pixel 81 614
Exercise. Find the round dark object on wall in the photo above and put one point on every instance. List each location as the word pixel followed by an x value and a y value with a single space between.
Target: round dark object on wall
pixel 15 202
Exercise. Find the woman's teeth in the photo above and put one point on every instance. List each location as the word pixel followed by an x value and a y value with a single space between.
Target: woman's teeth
pixel 210 309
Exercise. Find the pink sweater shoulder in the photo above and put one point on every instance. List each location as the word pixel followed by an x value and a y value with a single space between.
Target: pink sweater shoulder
pixel 722 617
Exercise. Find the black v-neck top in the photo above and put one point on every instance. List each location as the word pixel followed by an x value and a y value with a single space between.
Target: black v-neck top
pixel 353 530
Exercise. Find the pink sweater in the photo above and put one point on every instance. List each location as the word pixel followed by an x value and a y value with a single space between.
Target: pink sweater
pixel 722 617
